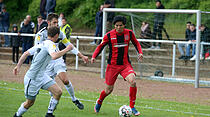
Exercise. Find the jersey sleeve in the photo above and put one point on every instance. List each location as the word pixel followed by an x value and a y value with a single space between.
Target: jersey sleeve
pixel 38 39
pixel 64 40
pixel 101 46
pixel 135 43
pixel 51 47
pixel 33 50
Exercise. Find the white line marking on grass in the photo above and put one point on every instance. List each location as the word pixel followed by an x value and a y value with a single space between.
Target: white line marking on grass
pixel 145 107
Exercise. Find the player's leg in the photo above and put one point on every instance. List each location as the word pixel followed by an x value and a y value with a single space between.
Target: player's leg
pixel 110 78
pixel 129 75
pixel 24 107
pixel 132 92
pixel 61 72
pixel 57 92
pixel 31 89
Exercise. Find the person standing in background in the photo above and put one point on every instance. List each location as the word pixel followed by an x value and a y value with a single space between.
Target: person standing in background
pixel 50 6
pixel 99 22
pixel 110 15
pixel 61 16
pixel 66 29
pixel 158 25
pixel 42 9
pixel 15 44
pixel 5 25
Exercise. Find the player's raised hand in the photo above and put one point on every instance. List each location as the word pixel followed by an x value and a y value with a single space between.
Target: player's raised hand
pixel 93 60
pixel 16 70
pixel 85 59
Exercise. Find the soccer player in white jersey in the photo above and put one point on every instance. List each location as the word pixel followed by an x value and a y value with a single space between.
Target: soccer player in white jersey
pixel 36 78
pixel 58 67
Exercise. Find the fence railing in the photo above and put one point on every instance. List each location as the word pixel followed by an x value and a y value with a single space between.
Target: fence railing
pixel 140 40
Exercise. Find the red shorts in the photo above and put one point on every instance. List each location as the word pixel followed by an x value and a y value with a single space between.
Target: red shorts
pixel 112 71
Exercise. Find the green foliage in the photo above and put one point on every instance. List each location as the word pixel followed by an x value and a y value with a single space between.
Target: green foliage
pixel 81 13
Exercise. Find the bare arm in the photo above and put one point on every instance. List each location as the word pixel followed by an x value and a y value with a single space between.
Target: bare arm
pixel 16 70
pixel 56 55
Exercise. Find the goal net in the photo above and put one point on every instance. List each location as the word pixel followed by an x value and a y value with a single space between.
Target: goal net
pixel 164 63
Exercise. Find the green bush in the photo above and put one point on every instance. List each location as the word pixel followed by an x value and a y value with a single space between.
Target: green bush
pixel 81 13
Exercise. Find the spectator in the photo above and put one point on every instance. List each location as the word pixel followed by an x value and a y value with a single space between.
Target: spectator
pixel 61 16
pixel 1 4
pixel 192 38
pixel 158 24
pixel 5 25
pixel 66 29
pixel 15 44
pixel 183 45
pixel 27 41
pixel 205 37
pixel 28 17
pixel 50 6
pixel 110 15
pixel 39 22
pixel 98 21
pixel 42 9
pixel 145 33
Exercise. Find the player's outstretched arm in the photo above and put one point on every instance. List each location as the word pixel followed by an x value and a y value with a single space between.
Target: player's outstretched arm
pixel 56 55
pixel 84 58
pixel 16 70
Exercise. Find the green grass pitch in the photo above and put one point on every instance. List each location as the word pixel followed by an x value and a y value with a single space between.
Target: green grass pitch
pixel 12 95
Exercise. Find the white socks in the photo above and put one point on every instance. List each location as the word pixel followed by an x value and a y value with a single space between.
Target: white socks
pixel 52 105
pixel 70 90
pixel 21 110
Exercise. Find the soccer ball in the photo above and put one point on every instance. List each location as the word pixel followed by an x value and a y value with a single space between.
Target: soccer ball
pixel 125 111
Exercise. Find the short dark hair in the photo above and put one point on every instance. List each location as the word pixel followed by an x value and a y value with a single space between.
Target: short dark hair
pixel 158 1
pixel 107 2
pixel 64 18
pixel 119 18
pixel 51 16
pixel 188 22
pixel 52 31
pixel 192 25
pixel 203 25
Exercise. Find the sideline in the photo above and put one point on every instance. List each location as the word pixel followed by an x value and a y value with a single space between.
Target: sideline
pixel 145 107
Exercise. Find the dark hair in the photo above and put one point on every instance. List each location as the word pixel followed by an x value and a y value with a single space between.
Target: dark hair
pixel 64 18
pixel 39 16
pixel 192 25
pixel 119 18
pixel 188 22
pixel 51 16
pixel 52 31
pixel 203 25
pixel 107 2
pixel 158 1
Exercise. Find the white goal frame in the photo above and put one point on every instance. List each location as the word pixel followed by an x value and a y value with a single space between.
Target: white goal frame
pixel 198 23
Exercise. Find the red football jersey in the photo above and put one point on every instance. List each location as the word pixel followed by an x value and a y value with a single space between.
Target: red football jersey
pixel 118 55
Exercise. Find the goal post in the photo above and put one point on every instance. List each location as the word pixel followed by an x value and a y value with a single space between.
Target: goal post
pixel 168 11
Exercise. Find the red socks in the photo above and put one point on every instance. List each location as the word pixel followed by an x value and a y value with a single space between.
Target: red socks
pixel 102 96
pixel 132 96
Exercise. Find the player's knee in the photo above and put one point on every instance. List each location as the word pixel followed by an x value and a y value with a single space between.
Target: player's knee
pixel 132 82
pixel 66 82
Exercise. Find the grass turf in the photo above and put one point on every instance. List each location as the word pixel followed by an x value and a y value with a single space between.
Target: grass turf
pixel 12 95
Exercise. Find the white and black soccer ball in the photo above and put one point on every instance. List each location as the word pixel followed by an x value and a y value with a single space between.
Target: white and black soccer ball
pixel 125 111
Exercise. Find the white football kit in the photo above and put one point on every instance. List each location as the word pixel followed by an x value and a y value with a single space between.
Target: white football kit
pixel 36 78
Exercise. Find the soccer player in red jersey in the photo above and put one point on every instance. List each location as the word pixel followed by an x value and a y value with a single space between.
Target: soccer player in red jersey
pixel 118 62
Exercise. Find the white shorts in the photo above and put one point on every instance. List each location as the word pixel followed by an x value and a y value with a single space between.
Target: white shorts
pixel 54 69
pixel 32 87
